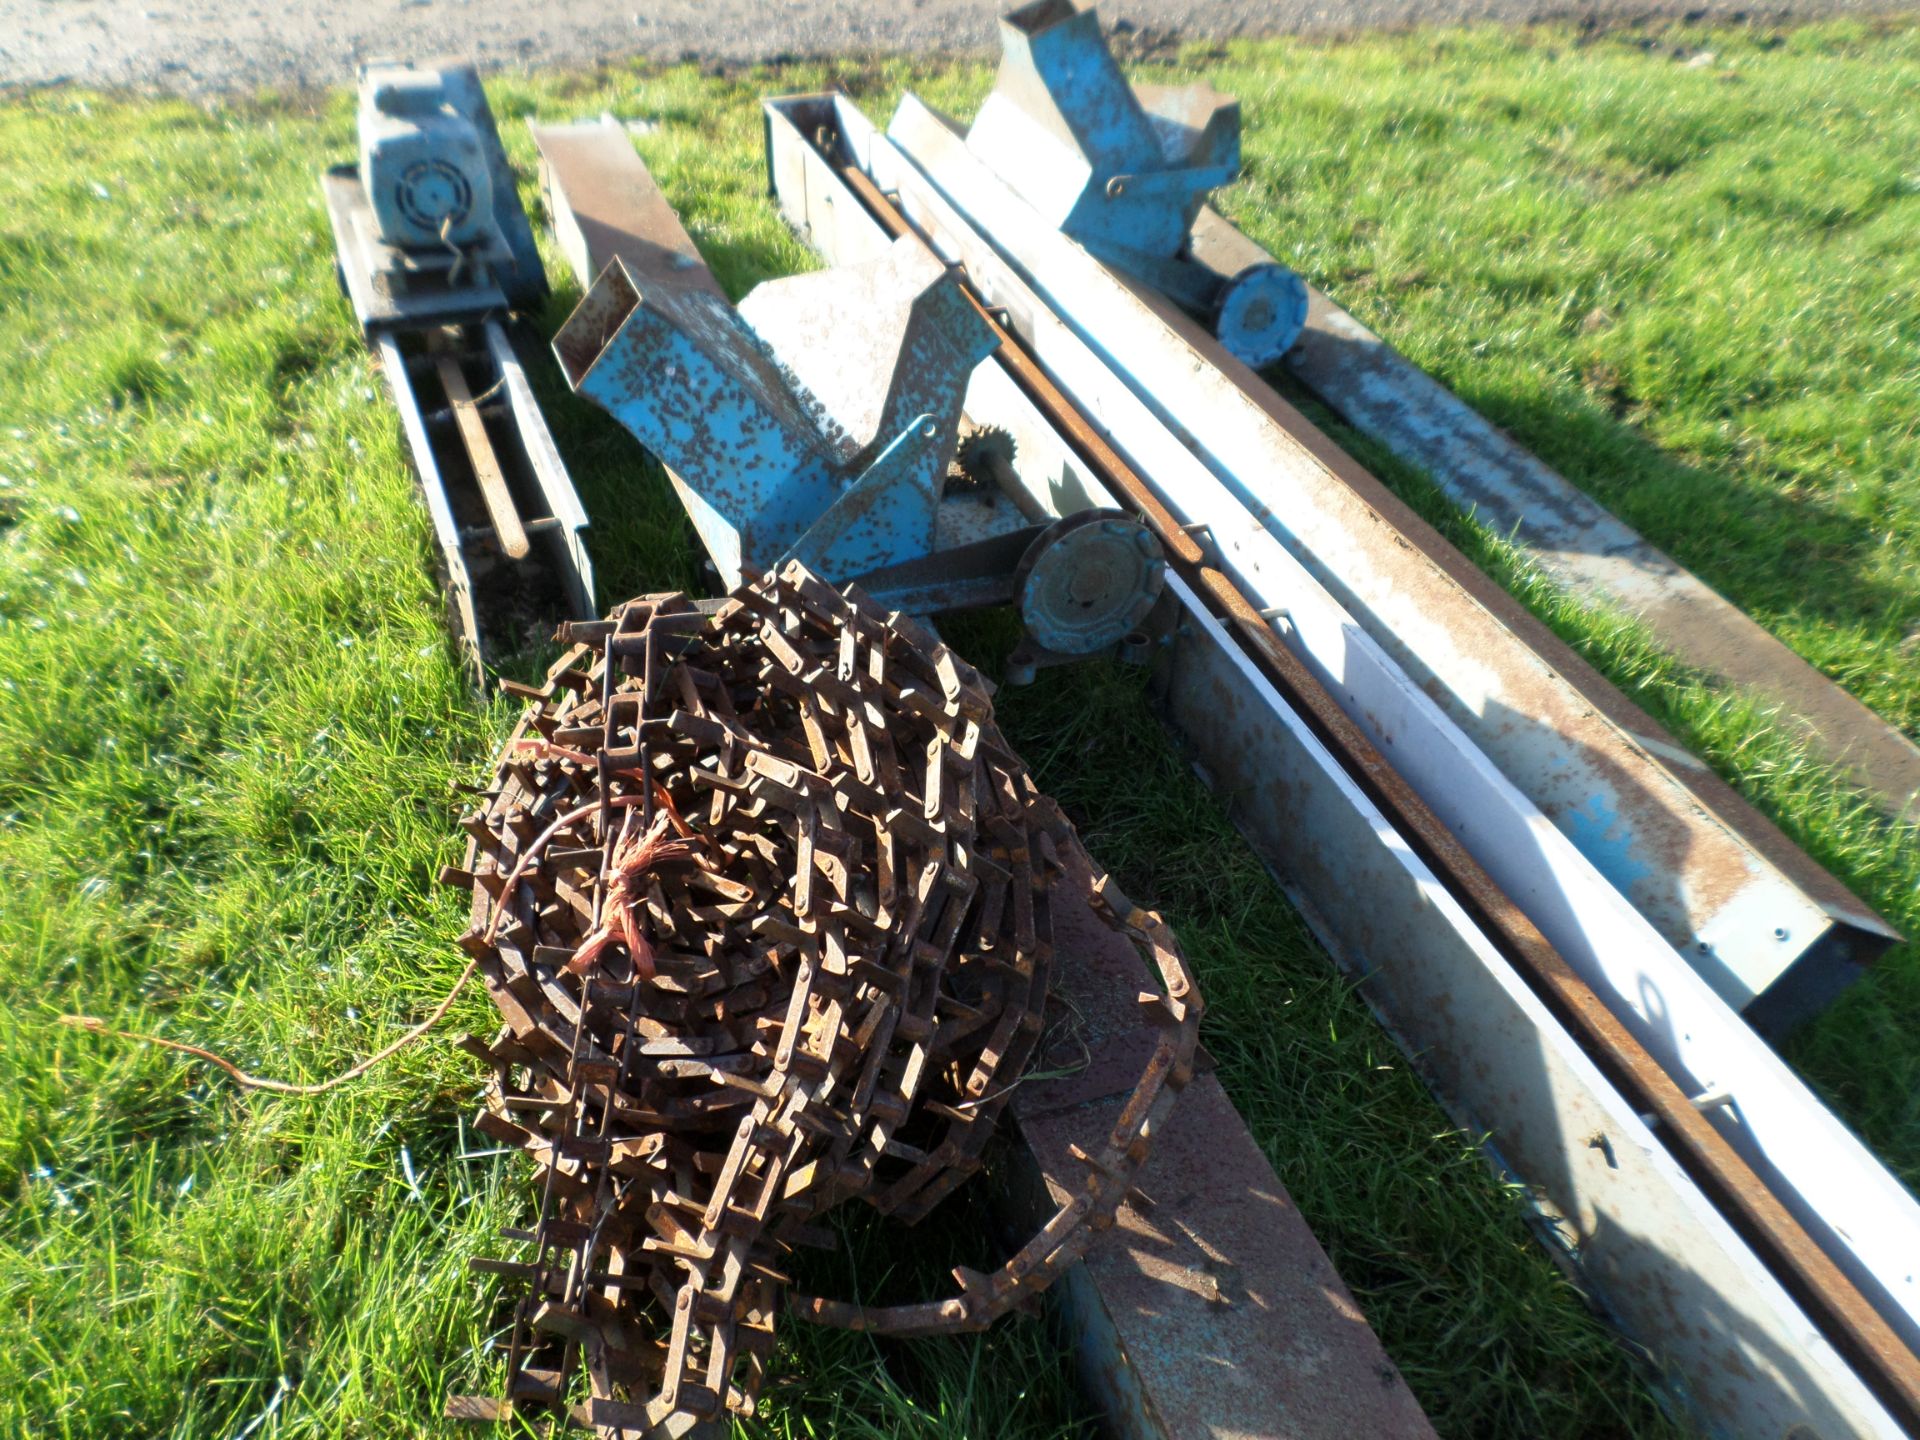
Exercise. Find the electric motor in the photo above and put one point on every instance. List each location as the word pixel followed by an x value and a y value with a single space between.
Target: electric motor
pixel 421 160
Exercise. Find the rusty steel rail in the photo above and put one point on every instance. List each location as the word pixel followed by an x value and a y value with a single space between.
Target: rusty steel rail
pixel 1805 1271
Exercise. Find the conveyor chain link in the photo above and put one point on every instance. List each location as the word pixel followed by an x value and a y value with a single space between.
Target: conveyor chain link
pixel 764 901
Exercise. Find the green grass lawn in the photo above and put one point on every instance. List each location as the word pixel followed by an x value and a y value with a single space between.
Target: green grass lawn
pixel 229 719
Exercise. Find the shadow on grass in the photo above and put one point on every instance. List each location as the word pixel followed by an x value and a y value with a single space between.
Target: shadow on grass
pixel 1817 552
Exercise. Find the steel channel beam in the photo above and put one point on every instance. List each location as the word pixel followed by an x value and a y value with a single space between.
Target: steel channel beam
pixel 1577 542
pixel 1581 546
pixel 1834 1187
pixel 459 584
pixel 1660 1257
pixel 566 539
pixel 1717 879
pixel 1604 773
pixel 808 192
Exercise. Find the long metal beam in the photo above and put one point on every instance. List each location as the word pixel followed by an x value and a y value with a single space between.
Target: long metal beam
pixel 568 535
pixel 457 583
pixel 808 190
pixel 1502 1059
pixel 1211 1309
pixel 1844 1197
pixel 1574 539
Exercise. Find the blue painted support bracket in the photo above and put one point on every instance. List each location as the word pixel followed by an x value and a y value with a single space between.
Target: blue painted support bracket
pixel 815 421
pixel 887 512
pixel 1115 169
pixel 1125 171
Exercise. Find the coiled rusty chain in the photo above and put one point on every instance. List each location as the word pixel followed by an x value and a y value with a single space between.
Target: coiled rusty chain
pixel 764 901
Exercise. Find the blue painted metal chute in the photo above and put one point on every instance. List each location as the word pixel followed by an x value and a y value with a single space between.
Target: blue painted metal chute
pixel 820 420
pixel 786 444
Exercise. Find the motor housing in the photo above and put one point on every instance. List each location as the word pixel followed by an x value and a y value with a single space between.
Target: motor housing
pixel 426 170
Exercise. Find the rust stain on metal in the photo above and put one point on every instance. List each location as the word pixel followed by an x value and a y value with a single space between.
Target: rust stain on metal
pixel 1829 1298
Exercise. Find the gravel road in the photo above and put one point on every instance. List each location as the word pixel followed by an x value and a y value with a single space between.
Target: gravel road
pixel 200 46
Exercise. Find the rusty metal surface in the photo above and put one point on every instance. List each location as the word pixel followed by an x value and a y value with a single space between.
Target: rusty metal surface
pixel 1211 1311
pixel 1216 1300
pixel 508 532
pixel 765 905
pixel 604 205
pixel 1583 546
pixel 1851 1323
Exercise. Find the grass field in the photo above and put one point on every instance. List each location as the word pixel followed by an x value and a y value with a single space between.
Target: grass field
pixel 229 719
